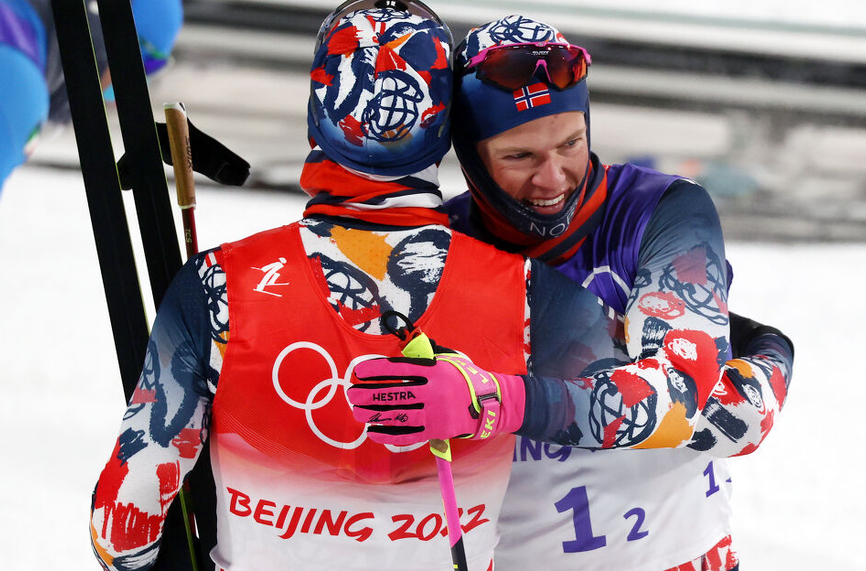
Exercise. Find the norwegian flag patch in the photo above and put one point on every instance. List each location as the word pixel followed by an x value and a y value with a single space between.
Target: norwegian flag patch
pixel 531 96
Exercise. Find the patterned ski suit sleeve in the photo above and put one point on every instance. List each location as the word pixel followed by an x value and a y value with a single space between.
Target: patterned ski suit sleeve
pixel 745 402
pixel 740 410
pixel 657 392
pixel 165 423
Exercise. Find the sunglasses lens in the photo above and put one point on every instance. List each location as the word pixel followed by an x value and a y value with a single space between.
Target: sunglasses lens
pixel 561 69
pixel 508 68
pixel 513 67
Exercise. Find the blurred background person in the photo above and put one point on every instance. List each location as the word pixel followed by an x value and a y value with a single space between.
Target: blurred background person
pixel 33 97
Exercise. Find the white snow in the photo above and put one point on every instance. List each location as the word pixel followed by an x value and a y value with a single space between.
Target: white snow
pixel 799 500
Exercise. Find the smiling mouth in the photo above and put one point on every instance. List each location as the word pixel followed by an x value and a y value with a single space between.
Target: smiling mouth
pixel 540 202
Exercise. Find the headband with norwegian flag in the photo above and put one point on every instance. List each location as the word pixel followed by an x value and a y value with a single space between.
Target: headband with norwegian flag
pixel 531 96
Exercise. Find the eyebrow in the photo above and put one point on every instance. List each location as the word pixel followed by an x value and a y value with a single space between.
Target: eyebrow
pixel 519 149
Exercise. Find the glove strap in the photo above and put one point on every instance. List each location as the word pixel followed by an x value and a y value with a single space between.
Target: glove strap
pixel 485 393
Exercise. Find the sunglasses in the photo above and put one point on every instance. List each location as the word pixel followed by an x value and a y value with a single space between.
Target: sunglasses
pixel 513 66
pixel 415 7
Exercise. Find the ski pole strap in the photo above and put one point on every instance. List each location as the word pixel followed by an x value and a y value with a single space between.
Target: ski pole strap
pixel 484 391
pixel 209 157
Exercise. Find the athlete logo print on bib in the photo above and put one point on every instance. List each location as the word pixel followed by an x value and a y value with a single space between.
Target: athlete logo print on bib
pixel 271 277
pixel 325 393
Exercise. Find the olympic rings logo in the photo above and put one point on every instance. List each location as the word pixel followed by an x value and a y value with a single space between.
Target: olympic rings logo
pixel 329 387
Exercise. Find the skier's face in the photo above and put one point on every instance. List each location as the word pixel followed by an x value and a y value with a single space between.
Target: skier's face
pixel 541 162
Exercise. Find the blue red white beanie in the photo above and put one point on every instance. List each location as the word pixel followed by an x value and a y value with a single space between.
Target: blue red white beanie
pixel 380 92
pixel 482 110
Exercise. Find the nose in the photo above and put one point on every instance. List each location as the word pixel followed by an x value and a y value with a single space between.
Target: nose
pixel 550 174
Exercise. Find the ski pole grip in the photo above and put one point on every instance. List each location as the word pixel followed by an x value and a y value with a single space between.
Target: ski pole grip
pixel 181 153
pixel 419 347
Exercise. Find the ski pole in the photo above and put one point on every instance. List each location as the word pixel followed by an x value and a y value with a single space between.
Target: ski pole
pixel 442 450
pixel 181 158
pixel 419 346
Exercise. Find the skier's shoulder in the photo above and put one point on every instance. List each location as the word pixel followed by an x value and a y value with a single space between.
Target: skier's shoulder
pixel 666 203
pixel 633 182
pixel 685 204
pixel 186 286
pixel 259 238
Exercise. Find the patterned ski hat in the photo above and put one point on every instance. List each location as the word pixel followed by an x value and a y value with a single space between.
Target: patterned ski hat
pixel 380 92
pixel 482 110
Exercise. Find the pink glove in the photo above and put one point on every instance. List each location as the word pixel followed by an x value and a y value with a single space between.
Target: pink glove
pixel 410 400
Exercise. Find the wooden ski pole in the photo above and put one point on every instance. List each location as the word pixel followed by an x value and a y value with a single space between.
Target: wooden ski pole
pixel 181 158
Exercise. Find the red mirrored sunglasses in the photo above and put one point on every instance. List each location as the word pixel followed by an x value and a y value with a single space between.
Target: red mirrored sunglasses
pixel 513 66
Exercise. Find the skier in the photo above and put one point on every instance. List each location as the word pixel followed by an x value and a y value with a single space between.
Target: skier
pixel 255 341
pixel 650 246
pixel 33 91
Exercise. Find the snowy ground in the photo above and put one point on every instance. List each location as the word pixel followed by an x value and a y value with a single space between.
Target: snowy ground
pixel 799 501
